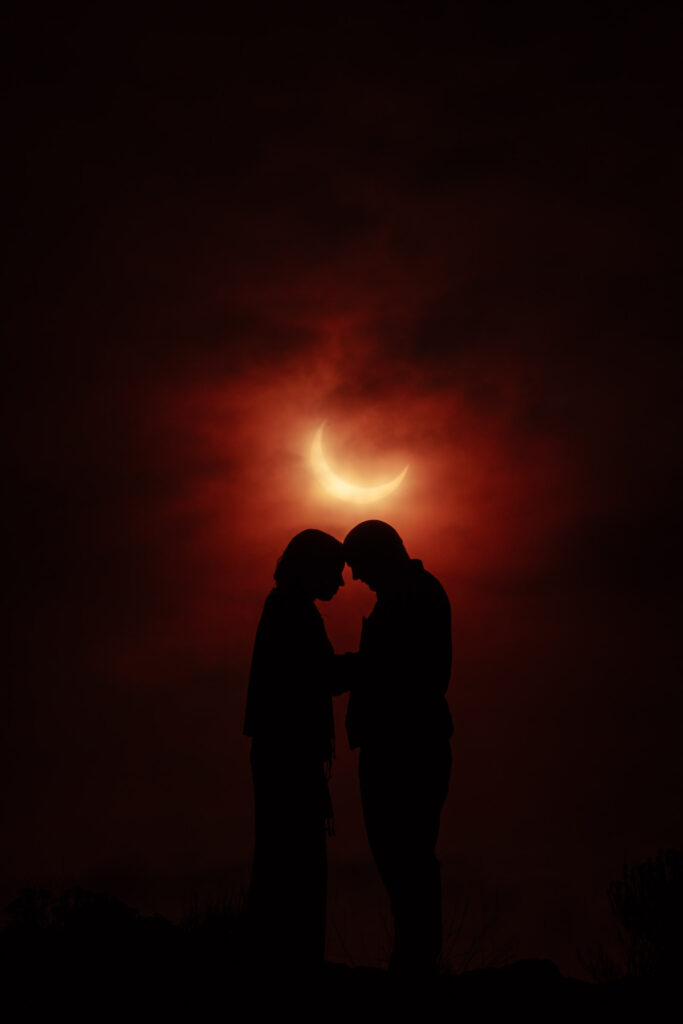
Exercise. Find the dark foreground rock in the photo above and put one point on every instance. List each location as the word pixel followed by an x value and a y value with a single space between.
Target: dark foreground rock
pixel 88 987
pixel 91 956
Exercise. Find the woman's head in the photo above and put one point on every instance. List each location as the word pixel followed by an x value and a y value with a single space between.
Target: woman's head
pixel 312 562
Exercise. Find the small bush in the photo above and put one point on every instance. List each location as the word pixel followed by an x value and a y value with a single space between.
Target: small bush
pixel 648 905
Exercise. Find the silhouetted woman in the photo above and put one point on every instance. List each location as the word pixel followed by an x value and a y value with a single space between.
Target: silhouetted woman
pixel 289 716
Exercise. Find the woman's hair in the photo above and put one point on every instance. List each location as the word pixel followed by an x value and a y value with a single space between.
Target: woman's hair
pixel 304 555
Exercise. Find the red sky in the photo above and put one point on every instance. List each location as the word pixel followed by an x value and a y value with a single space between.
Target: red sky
pixel 447 236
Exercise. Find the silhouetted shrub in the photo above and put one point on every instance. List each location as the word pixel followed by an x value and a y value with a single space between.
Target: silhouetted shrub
pixel 79 930
pixel 79 927
pixel 218 927
pixel 648 905
pixel 74 911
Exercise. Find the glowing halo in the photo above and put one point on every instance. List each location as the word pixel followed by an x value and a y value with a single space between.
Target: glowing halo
pixel 340 488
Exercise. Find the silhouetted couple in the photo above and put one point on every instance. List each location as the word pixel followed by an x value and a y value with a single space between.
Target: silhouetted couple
pixel 398 717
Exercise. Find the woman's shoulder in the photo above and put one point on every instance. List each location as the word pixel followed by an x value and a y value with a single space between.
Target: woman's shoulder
pixel 294 620
pixel 283 606
pixel 274 610
pixel 272 600
pixel 281 602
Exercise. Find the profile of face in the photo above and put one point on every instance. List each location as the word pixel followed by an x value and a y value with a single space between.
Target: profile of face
pixel 363 569
pixel 376 555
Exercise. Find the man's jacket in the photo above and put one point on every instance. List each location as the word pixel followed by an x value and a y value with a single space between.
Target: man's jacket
pixel 399 677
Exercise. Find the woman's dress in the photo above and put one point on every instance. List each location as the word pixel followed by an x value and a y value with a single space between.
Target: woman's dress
pixel 289 716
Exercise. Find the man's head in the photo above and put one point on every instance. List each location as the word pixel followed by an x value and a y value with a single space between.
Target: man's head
pixel 375 553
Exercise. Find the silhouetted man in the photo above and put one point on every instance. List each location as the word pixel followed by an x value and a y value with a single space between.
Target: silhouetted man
pixel 399 718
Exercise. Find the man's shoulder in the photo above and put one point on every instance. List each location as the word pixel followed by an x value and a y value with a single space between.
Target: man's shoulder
pixel 425 585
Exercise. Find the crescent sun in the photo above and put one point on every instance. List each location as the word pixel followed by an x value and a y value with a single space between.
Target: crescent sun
pixel 340 488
